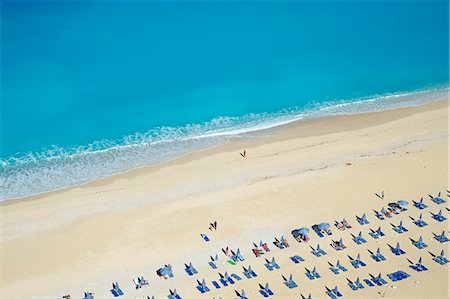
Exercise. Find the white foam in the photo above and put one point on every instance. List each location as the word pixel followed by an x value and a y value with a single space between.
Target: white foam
pixel 55 168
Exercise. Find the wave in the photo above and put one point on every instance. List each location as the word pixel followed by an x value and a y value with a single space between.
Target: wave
pixel 54 168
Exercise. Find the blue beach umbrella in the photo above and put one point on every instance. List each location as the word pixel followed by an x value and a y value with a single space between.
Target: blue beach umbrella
pixel 323 226
pixel 402 202
pixel 304 231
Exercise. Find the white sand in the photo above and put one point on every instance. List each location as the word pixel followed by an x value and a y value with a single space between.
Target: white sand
pixel 86 237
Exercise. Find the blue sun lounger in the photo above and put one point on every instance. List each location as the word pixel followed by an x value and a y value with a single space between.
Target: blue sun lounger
pixel 241 295
pixel 190 270
pixel 378 280
pixel 215 284
pixel 378 257
pixel 442 238
pixel 420 222
pixel 235 276
pixel 309 274
pixel 213 260
pixel 290 283
pixel 265 290
pixel 368 282
pixel 271 265
pixel 362 220
pixel 399 275
pixel 239 255
pixel 396 250
pixel 420 205
pixel 201 286
pixel 249 273
pixel 312 274
pixel 400 228
pixel 419 267
pixel 419 243
pixel 438 199
pixel 379 215
pixel 223 280
pixel 228 278
pixel 173 294
pixel 334 269
pixel 340 267
pixel 359 239
pixel 352 285
pixel 441 259
pixel 204 237
pixel 438 217
pixel 262 292
pixel 357 262
pixel 355 285
pixel 330 294
pixel 297 259
pixel 336 291
pixel 116 290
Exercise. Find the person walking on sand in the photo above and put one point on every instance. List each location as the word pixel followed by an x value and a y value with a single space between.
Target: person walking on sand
pixel 244 154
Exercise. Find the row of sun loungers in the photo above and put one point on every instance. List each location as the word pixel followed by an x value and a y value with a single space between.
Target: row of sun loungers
pixel 301 235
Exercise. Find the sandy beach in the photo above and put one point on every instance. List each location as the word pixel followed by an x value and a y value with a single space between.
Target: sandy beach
pixel 114 229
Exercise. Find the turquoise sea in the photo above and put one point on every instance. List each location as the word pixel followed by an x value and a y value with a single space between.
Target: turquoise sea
pixel 94 88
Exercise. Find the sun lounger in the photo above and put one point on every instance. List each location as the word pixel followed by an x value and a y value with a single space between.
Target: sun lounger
pixel 419 243
pixel 359 239
pixel 340 267
pixel 311 275
pixel 88 295
pixel 336 291
pixel 419 267
pixel 378 280
pixel 442 238
pixel 362 220
pixel 265 290
pixel 290 283
pixel 249 273
pixel 116 290
pixel 297 259
pixel 241 295
pixel 235 276
pixel 419 222
pixel 201 286
pixel 440 259
pixel 420 205
pixel 352 285
pixel 378 257
pixel 335 270
pixel 190 270
pixel 356 263
pixel 262 292
pixel 215 284
pixel 228 278
pixel 223 280
pixel 438 217
pixel 399 228
pixel 355 286
pixel 379 215
pixel 330 294
pixel 396 250
pixel 368 282
pixel 204 237
pixel 438 199
pixel 173 294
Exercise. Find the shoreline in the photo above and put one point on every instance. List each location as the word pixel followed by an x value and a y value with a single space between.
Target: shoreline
pixel 228 145
pixel 320 170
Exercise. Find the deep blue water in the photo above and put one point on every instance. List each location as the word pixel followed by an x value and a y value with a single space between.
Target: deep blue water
pixel 84 78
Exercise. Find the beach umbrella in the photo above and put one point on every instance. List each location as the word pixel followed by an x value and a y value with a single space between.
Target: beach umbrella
pixel 166 271
pixel 393 204
pixel 304 231
pixel 402 202
pixel 324 226
pixel 296 233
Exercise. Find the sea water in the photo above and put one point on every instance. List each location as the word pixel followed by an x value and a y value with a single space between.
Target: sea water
pixel 94 88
